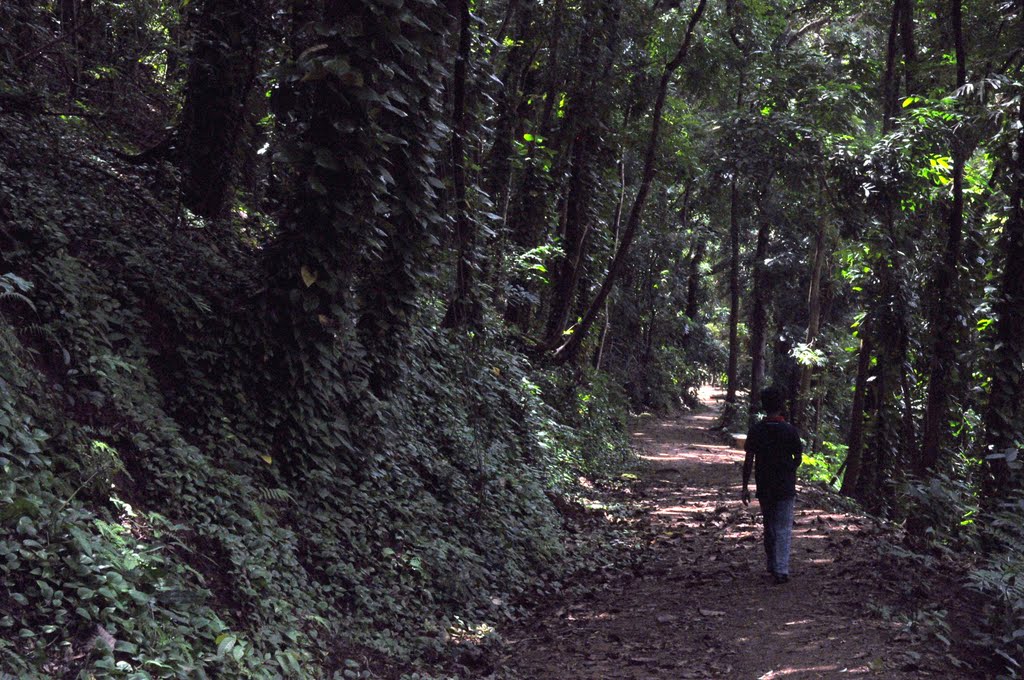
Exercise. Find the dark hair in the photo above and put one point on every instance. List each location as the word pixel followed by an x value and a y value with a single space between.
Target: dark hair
pixel 772 399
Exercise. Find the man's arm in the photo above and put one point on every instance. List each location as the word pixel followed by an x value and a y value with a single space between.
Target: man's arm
pixel 748 464
pixel 798 450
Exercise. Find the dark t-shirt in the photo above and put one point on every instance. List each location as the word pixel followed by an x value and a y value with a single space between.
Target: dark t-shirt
pixel 777 453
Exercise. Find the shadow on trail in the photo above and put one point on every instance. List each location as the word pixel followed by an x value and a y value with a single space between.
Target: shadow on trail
pixel 704 606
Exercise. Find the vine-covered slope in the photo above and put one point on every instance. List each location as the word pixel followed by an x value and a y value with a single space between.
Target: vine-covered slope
pixel 167 509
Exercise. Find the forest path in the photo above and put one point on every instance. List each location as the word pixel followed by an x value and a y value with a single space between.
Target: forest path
pixel 703 606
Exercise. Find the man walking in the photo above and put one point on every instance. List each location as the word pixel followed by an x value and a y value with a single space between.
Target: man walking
pixel 774 450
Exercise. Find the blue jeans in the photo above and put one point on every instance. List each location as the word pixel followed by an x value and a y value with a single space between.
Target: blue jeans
pixel 778 533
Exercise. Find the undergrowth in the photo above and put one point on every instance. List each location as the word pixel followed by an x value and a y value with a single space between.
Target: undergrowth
pixel 968 574
pixel 183 498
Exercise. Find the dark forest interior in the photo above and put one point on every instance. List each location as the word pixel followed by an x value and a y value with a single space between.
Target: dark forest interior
pixel 324 325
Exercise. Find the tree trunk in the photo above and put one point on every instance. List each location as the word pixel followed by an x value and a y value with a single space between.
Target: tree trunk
pixel 222 71
pixel 813 324
pixel 901 38
pixel 464 309
pixel 570 349
pixel 887 447
pixel 874 452
pixel 531 197
pixel 1004 417
pixel 855 441
pixel 758 318
pixel 497 177
pixel 615 239
pixel 893 443
pixel 732 368
pixel 693 279
pixel 71 26
pixel 574 235
pixel 946 310
pixel 890 89
pixel 652 323
pixel 907 40
pixel 553 81
pixel 818 408
pixel 732 371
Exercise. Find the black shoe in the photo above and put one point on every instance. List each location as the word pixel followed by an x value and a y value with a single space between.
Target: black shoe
pixel 781 578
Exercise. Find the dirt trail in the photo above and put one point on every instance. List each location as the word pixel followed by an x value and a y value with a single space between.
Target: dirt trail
pixel 704 607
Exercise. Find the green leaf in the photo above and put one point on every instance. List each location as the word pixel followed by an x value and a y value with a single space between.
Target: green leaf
pixel 127 647
pixel 225 643
pixel 339 66
pixel 325 159
pixel 289 664
pixel 139 597
pixel 17 508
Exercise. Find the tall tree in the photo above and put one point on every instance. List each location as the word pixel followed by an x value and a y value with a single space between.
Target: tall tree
pixel 813 320
pixel 588 113
pixel 760 300
pixel 1004 417
pixel 739 33
pixel 465 307
pixel 360 160
pixel 571 348
pixel 946 312
pixel 229 40
pixel 855 437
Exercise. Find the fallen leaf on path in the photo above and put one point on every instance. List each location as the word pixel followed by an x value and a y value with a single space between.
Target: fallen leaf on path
pixel 709 612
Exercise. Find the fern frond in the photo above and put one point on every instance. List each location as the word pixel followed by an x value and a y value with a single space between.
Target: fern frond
pixel 274 495
pixel 10 296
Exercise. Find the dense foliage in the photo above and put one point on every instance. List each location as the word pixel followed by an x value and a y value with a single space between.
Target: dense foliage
pixel 222 454
pixel 312 315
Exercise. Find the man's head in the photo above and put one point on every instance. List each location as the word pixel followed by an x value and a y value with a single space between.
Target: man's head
pixel 773 400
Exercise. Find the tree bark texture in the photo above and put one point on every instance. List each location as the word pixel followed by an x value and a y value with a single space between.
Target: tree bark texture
pixel 574 236
pixel 890 86
pixel 699 250
pixel 946 310
pixel 855 440
pixel 586 117
pixel 616 223
pixel 907 41
pixel 464 309
pixel 497 176
pixel 813 324
pixel 743 44
pixel 900 41
pixel 221 74
pixel 1004 417
pixel 759 318
pixel 732 371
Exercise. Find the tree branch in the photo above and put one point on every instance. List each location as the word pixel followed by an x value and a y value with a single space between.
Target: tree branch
pixel 570 349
